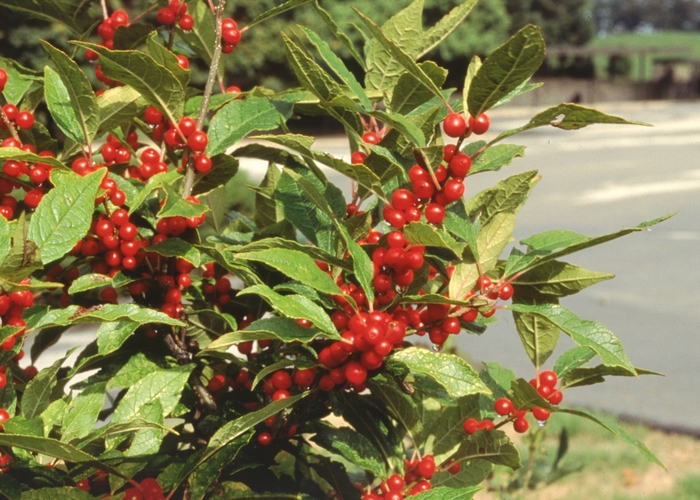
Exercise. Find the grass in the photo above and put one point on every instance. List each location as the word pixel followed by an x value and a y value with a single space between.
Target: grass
pixel 599 465
pixel 642 66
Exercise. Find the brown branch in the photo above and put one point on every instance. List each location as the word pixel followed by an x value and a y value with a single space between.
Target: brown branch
pixel 208 89
pixel 10 126
pixel 105 11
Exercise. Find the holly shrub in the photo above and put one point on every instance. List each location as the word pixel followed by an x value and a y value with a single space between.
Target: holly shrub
pixel 276 356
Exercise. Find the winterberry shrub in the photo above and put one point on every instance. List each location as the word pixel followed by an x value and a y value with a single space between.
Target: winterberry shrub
pixel 222 343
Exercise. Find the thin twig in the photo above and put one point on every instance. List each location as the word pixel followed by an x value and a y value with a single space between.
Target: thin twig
pixel 10 126
pixel 144 13
pixel 105 11
pixel 208 89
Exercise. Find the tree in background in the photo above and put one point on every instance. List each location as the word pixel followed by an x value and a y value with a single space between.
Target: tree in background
pixel 634 15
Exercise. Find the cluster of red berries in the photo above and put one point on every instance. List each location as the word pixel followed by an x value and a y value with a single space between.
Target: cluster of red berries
pixel 415 481
pixel 545 384
pixel 106 31
pixel 115 152
pixel 455 125
pixel 12 305
pixel 175 12
pixel 146 489
pixel 184 135
pixel 395 266
pixel 21 119
pixel 218 289
pixel 32 178
pixel 230 35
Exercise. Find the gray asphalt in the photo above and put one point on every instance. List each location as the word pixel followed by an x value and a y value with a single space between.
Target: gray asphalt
pixel 595 181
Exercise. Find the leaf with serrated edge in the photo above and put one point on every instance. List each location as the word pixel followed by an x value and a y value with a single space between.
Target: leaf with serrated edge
pixel 445 493
pixel 119 105
pixel 538 335
pixel 583 332
pixel 237 119
pixel 20 155
pixel 83 412
pixel 571 359
pixel 294 306
pixel 283 7
pixel 472 69
pixel 567 117
pixel 578 377
pixel 37 393
pixel 495 157
pixel 505 69
pixel 111 336
pixel 558 279
pixel 352 446
pixel 63 217
pixel 519 262
pixel 450 371
pixel 82 98
pixel 154 82
pixel 493 446
pixel 361 263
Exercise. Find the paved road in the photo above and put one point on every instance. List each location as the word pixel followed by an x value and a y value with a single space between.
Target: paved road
pixel 595 181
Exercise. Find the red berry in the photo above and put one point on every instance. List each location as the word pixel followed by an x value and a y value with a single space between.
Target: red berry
pixel 548 378
pixel 33 198
pixel 460 164
pixel 305 378
pixel 216 383
pixel 186 22
pixel 521 425
pixel 165 16
pixel 503 406
pixel 403 199
pixel 484 283
pixel 471 425
pixel 480 124
pixel 556 397
pixel 455 468
pixel 506 293
pixel 152 116
pixel 231 36
pixel 435 213
pixel 202 163
pixel 281 380
pixel 3 79
pixel 25 120
pixel 371 138
pixel 183 62
pixel 541 414
pixel 357 158
pixel 197 141
pixel 426 467
pixel 455 125
pixel 355 373
pixel 454 189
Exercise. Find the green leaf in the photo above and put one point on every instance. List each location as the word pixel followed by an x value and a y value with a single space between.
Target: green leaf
pixel 409 94
pixel 495 157
pixel 336 64
pixel 333 27
pixel 551 245
pixel 224 168
pixel 239 118
pixel 538 335
pixel 450 371
pixel 412 133
pixel 176 247
pixel 89 282
pixel 445 493
pixel 505 69
pixel 64 214
pixel 19 155
pixel 83 412
pixel 276 328
pixel 201 38
pixel 310 220
pixel 82 99
pixel 493 446
pixel 57 493
pixel 521 89
pixel 359 173
pixel 50 447
pixel 567 117
pixel 578 377
pixel 175 205
pixel 403 58
pixel 448 433
pixel 294 306
pixel 507 196
pixel 4 238
pixel 73 315
pixel 119 105
pixel 241 425
pixel 618 431
pixel 472 70
pixel 296 265
pixel 19 80
pixel 352 446
pixel 557 279
pixel 111 336
pixel 314 252
pixel 37 393
pixel 283 7
pixel 205 476
pixel 154 82
pixel 167 59
pixel 497 378
pixel 311 76
pixel 583 332
pixel 58 101
pixel 398 404
pixel 420 233
pixel 573 358
pixel 164 386
pixel 71 13
pixel 362 265
pixel 132 36
pixel 138 367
